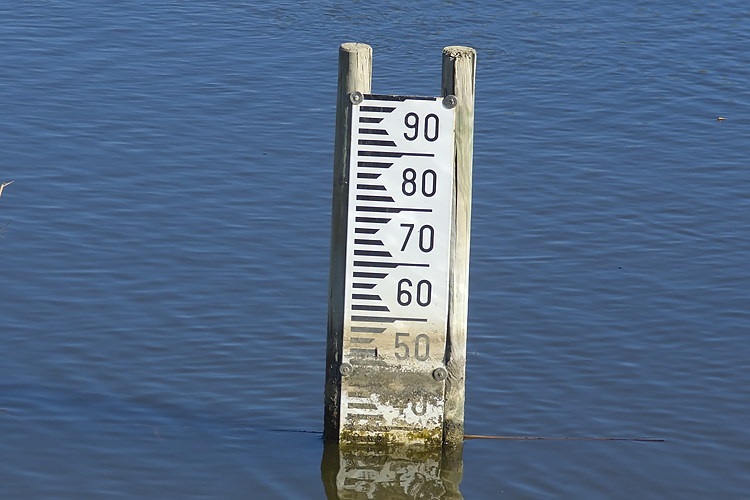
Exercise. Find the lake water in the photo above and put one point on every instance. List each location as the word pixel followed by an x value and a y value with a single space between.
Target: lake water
pixel 164 277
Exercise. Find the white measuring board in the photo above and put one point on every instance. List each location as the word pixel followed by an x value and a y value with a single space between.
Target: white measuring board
pixel 397 265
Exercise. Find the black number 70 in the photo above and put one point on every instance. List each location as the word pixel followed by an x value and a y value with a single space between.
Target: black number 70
pixel 426 237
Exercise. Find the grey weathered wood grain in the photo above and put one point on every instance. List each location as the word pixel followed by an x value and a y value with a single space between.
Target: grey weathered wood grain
pixel 355 74
pixel 459 73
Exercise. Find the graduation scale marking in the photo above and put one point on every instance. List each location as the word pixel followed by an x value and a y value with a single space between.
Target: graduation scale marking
pixel 397 261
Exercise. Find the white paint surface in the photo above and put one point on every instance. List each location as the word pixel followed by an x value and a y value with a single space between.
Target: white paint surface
pixel 398 244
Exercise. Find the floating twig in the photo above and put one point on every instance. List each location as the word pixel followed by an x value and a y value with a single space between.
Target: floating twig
pixel 3 186
pixel 3 411
pixel 528 438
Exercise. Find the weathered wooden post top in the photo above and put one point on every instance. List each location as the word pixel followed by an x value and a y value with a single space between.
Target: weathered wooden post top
pixel 398 291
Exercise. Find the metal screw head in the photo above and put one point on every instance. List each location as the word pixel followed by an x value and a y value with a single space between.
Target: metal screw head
pixel 345 369
pixel 450 101
pixel 440 374
pixel 356 97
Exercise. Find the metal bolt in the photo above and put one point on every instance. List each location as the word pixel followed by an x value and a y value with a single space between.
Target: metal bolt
pixel 450 101
pixel 440 374
pixel 356 97
pixel 345 369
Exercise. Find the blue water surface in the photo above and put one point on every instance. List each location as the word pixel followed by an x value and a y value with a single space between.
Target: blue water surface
pixel 163 282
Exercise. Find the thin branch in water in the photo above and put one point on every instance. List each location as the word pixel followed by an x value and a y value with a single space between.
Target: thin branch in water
pixel 3 411
pixel 3 186
pixel 647 440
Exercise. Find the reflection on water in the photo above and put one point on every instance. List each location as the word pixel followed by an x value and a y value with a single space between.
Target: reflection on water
pixel 358 473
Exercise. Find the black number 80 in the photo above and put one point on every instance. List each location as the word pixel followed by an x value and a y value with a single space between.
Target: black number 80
pixel 429 182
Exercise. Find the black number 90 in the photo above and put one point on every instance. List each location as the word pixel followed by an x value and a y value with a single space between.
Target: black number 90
pixel 431 126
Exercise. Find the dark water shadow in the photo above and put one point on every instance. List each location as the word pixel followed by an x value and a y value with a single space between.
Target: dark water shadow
pixel 359 473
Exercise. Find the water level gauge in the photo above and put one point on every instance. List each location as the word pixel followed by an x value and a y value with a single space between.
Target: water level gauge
pixel 397 266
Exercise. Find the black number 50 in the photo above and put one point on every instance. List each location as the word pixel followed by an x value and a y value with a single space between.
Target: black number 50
pixel 421 347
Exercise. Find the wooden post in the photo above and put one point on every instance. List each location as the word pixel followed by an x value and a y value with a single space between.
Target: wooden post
pixel 459 73
pixel 355 74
